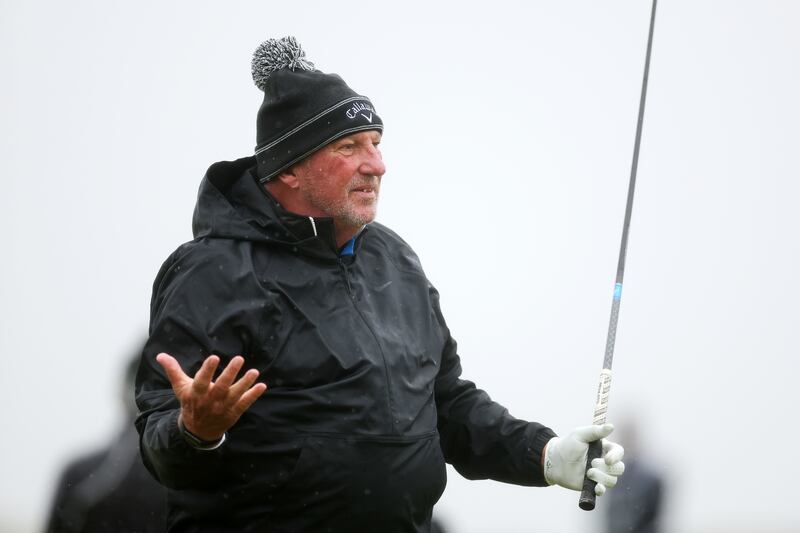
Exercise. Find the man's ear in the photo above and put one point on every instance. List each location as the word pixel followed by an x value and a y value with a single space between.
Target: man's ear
pixel 289 178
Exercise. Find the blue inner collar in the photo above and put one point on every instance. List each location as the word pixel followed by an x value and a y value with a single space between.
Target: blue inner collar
pixel 348 248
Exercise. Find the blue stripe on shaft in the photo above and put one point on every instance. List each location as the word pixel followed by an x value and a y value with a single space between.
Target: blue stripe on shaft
pixel 618 291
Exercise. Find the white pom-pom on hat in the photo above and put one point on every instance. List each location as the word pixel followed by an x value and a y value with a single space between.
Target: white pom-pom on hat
pixel 276 54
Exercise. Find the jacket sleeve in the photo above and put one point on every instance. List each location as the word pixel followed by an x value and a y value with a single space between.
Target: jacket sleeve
pixel 189 319
pixel 478 436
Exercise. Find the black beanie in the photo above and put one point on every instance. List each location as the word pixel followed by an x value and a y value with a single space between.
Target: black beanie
pixel 303 109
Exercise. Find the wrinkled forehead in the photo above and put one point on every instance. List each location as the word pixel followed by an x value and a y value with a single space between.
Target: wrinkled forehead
pixel 325 156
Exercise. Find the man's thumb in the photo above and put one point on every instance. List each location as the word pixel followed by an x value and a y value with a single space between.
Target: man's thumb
pixel 592 433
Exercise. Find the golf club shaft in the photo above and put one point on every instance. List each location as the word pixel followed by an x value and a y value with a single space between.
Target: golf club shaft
pixel 587 498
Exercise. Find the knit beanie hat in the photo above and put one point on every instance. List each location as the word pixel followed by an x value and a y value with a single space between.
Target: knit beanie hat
pixel 303 110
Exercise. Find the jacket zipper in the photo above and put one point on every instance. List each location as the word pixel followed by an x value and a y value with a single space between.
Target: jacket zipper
pixel 346 277
pixel 352 295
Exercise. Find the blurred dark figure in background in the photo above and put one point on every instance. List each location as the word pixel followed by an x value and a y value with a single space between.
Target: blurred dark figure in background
pixel 110 491
pixel 437 526
pixel 635 506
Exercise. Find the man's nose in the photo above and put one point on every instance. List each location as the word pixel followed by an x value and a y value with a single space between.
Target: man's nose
pixel 373 163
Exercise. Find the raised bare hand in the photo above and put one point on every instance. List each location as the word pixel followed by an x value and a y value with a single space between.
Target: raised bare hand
pixel 209 408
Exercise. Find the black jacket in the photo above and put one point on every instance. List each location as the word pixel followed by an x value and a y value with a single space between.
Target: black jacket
pixel 365 403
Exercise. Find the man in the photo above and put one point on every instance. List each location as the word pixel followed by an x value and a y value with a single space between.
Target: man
pixel 637 505
pixel 289 276
pixel 110 490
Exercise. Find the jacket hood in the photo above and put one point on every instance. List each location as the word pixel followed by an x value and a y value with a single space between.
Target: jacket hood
pixel 231 204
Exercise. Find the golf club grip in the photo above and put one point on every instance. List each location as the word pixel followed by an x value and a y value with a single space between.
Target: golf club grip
pixel 587 494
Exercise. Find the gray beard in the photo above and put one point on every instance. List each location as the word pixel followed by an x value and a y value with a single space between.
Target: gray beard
pixel 342 213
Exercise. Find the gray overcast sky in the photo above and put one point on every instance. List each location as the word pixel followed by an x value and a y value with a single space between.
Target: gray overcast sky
pixel 509 133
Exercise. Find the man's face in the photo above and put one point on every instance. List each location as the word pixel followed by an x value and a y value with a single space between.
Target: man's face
pixel 342 180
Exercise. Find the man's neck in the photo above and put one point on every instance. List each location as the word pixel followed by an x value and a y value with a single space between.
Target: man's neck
pixel 343 236
pixel 289 200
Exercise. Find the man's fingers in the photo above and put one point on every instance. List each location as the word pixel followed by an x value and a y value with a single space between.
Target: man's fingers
pixel 228 375
pixel 616 469
pixel 247 381
pixel 612 452
pixel 601 478
pixel 175 374
pixel 202 380
pixel 248 398
pixel 592 433
pixel 219 387
pixel 599 489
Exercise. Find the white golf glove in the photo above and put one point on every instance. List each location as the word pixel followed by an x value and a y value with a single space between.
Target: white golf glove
pixel 565 459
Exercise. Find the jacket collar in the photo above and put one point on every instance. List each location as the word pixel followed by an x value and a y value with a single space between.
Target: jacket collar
pixel 315 235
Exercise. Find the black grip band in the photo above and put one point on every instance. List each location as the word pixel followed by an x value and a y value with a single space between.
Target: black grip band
pixel 587 494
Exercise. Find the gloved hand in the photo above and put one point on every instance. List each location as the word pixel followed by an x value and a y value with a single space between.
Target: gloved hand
pixel 565 459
